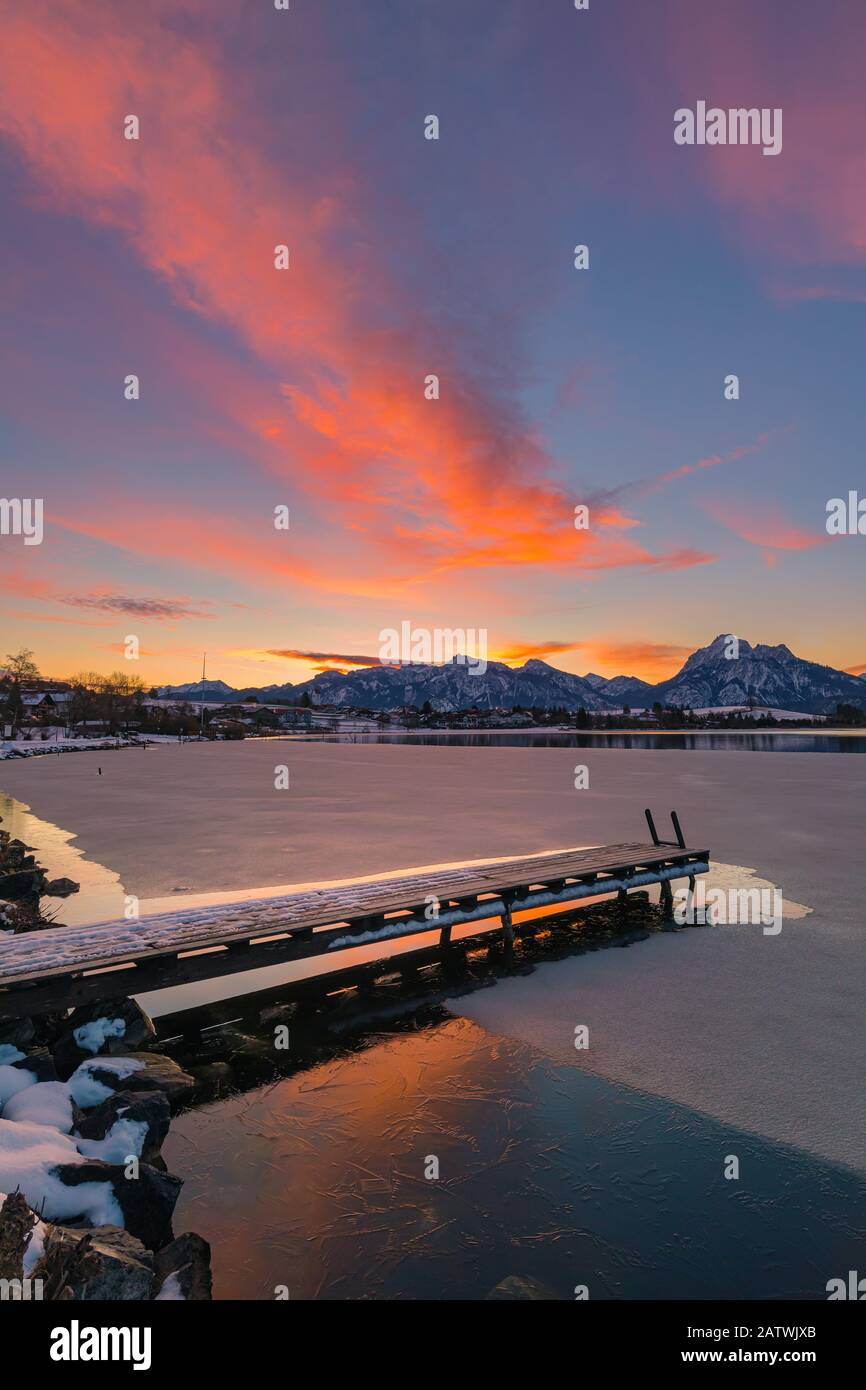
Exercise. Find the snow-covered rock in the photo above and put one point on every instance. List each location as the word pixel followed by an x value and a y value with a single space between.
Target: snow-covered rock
pixel 183 1269
pixel 142 1206
pixel 109 1027
pixel 12 1080
pixel 97 1079
pixel 93 1082
pixel 34 1157
pixel 126 1123
pixel 46 1103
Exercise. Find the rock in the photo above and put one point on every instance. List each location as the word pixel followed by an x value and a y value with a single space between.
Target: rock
pixel 213 1073
pixel 147 1201
pixel 215 1045
pixel 8 914
pixel 46 1103
pixel 103 1263
pixel 150 1108
pixel 108 1028
pixel 17 1032
pixel 40 1063
pixel 253 1060
pixel 60 888
pixel 150 1072
pixel 49 1027
pixel 520 1288
pixel 183 1270
pixel 16 1223
pixel 27 883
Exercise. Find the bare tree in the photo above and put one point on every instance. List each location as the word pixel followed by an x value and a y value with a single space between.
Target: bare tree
pixel 20 667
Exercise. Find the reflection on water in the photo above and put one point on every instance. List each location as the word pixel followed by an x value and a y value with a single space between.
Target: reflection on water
pixel 317 1183
pixel 790 742
pixel 101 894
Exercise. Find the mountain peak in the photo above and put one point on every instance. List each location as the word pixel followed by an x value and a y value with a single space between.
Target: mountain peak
pixel 779 653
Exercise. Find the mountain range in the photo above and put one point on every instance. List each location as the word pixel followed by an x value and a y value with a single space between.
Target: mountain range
pixel 772 677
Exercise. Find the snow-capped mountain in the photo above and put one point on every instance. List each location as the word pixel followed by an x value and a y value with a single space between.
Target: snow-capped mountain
pixel 199 690
pixel 628 690
pixel 457 685
pixel 768 676
pixel 771 676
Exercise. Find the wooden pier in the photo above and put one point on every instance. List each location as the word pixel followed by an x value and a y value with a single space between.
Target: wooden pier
pixel 62 967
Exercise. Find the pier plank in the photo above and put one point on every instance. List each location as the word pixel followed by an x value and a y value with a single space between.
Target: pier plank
pixel 35 957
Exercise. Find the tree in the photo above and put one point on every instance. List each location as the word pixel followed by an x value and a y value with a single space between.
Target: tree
pixel 20 667
pixel 110 699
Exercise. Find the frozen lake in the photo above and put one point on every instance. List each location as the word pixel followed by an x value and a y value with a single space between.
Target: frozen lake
pixel 761 1032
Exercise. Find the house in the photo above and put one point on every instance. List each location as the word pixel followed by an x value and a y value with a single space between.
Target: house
pixel 226 728
pixel 335 722
pixel 37 700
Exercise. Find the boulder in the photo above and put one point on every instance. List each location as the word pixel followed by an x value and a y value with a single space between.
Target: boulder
pixel 146 1201
pixel 108 1028
pixel 183 1270
pixel 16 1224
pixel 519 1288
pixel 47 1103
pixel 40 1063
pixel 103 1263
pixel 60 888
pixel 8 915
pixel 49 1027
pixel 135 1071
pixel 17 1032
pixel 253 1061
pixel 121 1115
pixel 23 885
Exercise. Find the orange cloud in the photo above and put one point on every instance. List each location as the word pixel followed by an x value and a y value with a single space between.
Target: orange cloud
pixel 524 651
pixel 453 484
pixel 650 661
pixel 768 530
pixel 711 461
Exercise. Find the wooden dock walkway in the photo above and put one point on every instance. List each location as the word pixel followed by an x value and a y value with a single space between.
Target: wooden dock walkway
pixel 67 966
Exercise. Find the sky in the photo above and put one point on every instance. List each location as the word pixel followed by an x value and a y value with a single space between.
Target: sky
pixel 304 388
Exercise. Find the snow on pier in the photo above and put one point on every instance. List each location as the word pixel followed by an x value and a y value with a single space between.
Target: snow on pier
pixel 64 966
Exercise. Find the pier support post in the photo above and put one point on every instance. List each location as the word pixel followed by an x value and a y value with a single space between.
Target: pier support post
pixel 508 928
pixel 667 900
